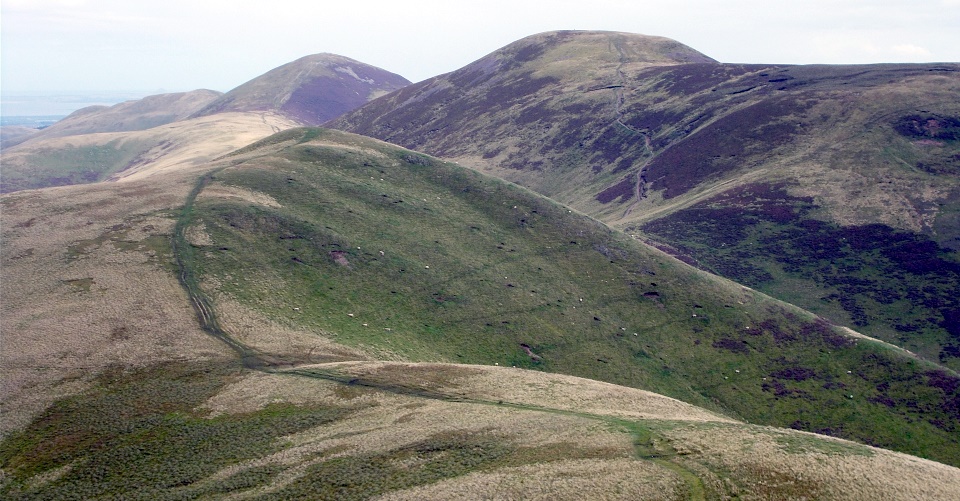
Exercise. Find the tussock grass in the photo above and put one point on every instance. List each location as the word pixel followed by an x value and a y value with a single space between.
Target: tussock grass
pixel 193 431
pixel 569 479
pixel 762 463
pixel 515 386
pixel 87 283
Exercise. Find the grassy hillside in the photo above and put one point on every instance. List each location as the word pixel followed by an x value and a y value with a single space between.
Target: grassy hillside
pixel 688 152
pixel 166 130
pixel 111 389
pixel 407 257
pixel 322 315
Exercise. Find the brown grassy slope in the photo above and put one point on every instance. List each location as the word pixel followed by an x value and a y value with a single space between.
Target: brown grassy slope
pixel 88 277
pixel 88 283
pixel 141 114
pixel 11 135
pixel 127 155
pixel 633 445
pixel 310 90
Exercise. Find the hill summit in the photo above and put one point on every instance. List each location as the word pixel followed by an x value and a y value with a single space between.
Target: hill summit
pixel 311 90
pixel 511 88
pixel 769 175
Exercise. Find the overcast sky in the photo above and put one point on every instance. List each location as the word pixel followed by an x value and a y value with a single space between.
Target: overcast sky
pixel 174 45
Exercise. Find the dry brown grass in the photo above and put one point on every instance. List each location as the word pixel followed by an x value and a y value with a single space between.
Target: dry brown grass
pixel 200 140
pixel 176 146
pixel 756 462
pixel 572 455
pixel 524 387
pixel 87 282
pixel 577 454
pixel 573 480
pixel 237 193
pixel 385 421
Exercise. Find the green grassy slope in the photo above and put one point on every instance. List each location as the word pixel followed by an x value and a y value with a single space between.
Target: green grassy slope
pixel 400 253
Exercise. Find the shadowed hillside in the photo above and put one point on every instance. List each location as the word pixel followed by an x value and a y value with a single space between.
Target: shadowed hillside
pixel 11 135
pixel 310 90
pixel 749 171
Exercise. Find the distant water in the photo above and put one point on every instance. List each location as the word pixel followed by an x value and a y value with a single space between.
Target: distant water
pixel 14 105
pixel 34 122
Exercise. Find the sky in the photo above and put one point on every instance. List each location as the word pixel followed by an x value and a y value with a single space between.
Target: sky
pixel 154 46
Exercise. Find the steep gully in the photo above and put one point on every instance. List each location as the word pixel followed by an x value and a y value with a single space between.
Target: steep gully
pixel 640 187
pixel 641 184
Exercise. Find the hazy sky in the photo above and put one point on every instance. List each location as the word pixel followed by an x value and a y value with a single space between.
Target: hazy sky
pixel 61 45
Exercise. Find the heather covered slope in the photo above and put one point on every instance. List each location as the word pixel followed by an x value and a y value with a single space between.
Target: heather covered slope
pixel 532 112
pixel 403 256
pixel 310 90
pixel 745 170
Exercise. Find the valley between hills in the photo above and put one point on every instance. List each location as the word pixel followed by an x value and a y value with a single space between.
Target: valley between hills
pixel 589 264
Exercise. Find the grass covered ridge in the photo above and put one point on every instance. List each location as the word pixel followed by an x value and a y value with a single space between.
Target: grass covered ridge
pixel 396 253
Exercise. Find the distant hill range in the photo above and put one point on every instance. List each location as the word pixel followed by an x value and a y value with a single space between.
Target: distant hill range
pixel 308 91
pixel 140 114
pixel 834 187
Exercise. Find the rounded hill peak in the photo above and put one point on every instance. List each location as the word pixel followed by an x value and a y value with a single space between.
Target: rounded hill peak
pixel 311 89
pixel 627 47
